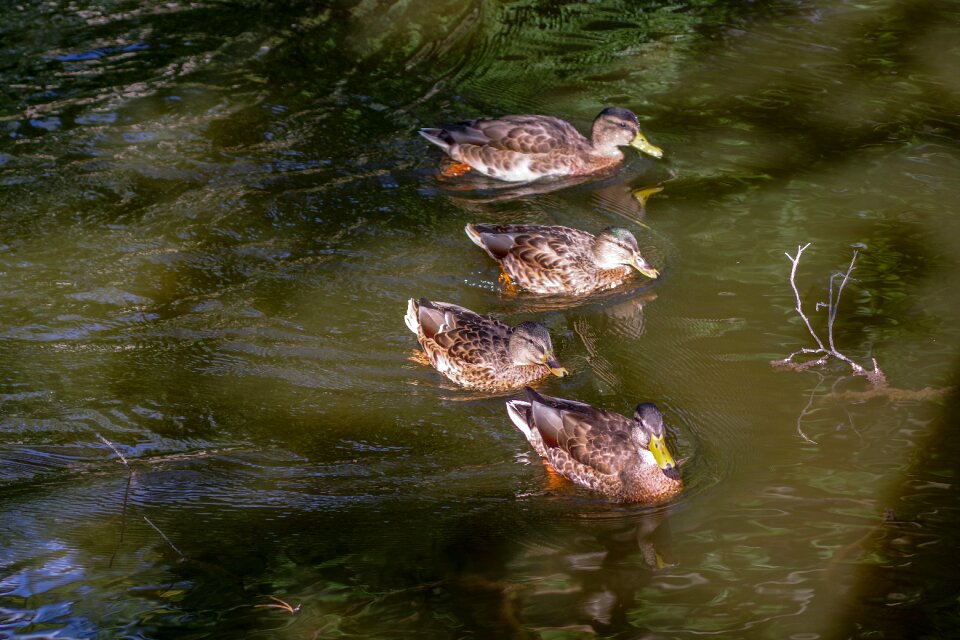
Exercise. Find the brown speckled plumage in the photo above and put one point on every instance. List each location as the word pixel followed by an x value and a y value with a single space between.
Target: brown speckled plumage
pixel 598 449
pixel 519 148
pixel 561 260
pixel 481 352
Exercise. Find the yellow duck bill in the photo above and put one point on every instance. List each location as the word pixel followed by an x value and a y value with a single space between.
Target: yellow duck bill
pixel 658 447
pixel 645 268
pixel 641 143
pixel 555 367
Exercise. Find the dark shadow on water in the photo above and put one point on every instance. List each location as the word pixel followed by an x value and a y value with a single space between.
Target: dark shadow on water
pixel 910 589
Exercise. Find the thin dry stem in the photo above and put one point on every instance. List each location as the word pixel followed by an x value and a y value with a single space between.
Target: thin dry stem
pixel 115 450
pixel 126 495
pixel 795 260
pixel 165 538
pixel 835 303
pixel 123 517
pixel 283 604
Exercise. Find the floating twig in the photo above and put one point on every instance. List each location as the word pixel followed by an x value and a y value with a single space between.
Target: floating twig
pixel 126 496
pixel 115 450
pixel 165 538
pixel 282 604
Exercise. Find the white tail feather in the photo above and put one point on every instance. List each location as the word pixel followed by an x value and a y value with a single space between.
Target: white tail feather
pixel 517 410
pixel 413 322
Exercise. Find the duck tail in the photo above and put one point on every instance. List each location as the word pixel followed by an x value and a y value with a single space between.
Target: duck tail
pixel 412 318
pixel 438 137
pixel 519 412
pixel 497 240
pixel 474 235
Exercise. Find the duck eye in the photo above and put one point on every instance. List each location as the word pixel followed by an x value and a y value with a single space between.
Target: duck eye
pixel 623 125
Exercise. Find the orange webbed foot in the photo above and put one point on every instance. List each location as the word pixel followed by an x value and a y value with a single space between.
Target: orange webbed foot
pixel 507 283
pixel 555 481
pixel 454 169
pixel 418 357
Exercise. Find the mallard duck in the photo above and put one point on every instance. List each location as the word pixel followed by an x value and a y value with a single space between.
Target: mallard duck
pixel 523 148
pixel 555 259
pixel 480 352
pixel 625 460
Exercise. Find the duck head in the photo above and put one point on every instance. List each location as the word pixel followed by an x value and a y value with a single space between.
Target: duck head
pixel 616 127
pixel 530 344
pixel 648 435
pixel 614 247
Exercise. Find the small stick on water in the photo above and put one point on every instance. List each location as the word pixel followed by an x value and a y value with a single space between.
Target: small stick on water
pixel 123 519
pixel 165 538
pixel 126 496
pixel 115 450
pixel 284 605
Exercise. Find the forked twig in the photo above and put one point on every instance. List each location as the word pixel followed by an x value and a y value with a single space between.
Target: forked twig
pixel 822 354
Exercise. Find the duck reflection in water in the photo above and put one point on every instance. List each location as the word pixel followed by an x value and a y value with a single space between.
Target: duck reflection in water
pixel 634 548
pixel 622 320
pixel 545 568
pixel 615 192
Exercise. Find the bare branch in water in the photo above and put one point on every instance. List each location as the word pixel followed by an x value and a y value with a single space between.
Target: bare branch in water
pixel 795 260
pixel 824 352
pixel 876 377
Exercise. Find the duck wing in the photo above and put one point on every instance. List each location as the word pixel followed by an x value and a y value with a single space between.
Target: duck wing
pixel 543 246
pixel 464 335
pixel 528 134
pixel 594 437
pixel 438 317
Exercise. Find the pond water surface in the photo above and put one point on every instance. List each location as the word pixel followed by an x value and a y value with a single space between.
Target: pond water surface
pixel 212 217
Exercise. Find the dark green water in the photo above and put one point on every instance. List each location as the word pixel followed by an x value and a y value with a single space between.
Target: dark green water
pixel 213 214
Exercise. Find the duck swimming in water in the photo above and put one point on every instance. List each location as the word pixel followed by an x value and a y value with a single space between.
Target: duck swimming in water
pixel 561 260
pixel 481 352
pixel 521 148
pixel 625 460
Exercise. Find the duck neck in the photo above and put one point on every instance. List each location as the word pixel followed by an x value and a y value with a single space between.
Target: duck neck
pixel 602 259
pixel 601 145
